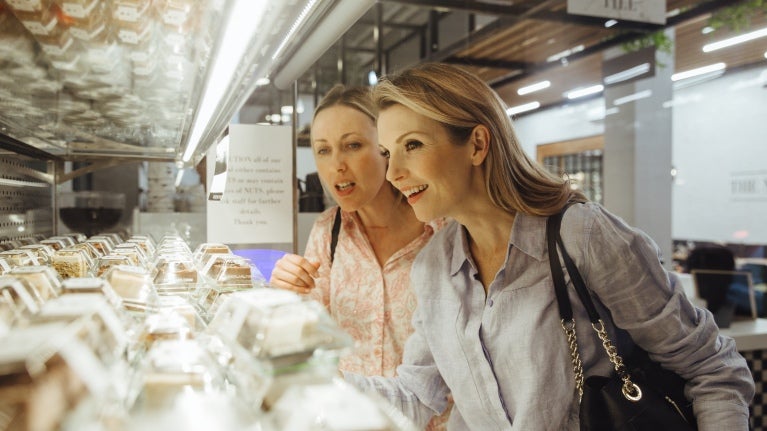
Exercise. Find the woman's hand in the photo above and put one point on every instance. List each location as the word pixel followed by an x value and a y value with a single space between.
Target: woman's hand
pixel 293 272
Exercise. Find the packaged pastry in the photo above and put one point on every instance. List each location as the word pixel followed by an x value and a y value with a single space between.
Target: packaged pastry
pixel 72 262
pixel 17 296
pixel 67 240
pixel 43 279
pixel 175 274
pixel 174 367
pixel 132 248
pixel 102 245
pixel 55 244
pixel 133 284
pixel 4 266
pixel 43 252
pixel 101 327
pixel 145 242
pixel 18 257
pixel 338 406
pixel 89 249
pixel 103 263
pixel 46 371
pixel 93 285
pixel 203 251
pixel 231 270
pixel 279 325
pixel 77 237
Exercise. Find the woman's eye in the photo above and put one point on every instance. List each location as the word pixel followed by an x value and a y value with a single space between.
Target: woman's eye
pixel 323 151
pixel 412 145
pixel 353 145
pixel 384 152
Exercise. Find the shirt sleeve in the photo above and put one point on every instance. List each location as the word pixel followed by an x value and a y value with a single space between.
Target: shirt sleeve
pixel 418 390
pixel 623 268
pixel 318 249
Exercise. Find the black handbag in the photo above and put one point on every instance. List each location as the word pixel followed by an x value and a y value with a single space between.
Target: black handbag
pixel 639 394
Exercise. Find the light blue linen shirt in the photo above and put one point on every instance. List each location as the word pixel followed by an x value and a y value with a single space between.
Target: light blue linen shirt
pixel 504 357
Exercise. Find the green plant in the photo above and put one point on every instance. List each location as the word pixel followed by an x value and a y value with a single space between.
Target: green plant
pixel 737 17
pixel 658 39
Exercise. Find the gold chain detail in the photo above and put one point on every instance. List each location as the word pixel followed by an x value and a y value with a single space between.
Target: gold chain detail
pixel 572 343
pixel 629 387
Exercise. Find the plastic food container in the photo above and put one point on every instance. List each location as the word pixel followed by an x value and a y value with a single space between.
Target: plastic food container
pixel 43 279
pixel 72 262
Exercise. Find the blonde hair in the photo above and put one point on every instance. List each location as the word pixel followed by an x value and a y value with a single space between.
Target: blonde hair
pixel 359 98
pixel 460 101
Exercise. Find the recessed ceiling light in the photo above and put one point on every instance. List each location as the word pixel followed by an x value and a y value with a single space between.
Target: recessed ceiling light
pixel 699 71
pixel 610 22
pixel 585 91
pixel 534 87
pixel 522 108
pixel 735 40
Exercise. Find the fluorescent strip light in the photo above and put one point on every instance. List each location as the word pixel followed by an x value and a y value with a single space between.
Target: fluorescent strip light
pixel 244 19
pixel 564 53
pixel 522 108
pixel 610 22
pixel 735 40
pixel 632 97
pixel 300 20
pixel 534 87
pixel 699 71
pixel 586 91
pixel 627 74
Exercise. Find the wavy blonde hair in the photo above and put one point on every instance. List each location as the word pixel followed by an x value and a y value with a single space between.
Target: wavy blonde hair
pixel 460 101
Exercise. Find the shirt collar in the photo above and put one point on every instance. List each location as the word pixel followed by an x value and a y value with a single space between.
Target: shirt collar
pixel 528 234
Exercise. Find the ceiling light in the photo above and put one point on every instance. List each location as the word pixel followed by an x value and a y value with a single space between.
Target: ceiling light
pixel 707 29
pixel 627 74
pixel 514 110
pixel 238 33
pixel 372 77
pixel 699 71
pixel 632 97
pixel 534 87
pixel 585 91
pixel 564 53
pixel 610 22
pixel 296 25
pixel 735 40
pixel 765 54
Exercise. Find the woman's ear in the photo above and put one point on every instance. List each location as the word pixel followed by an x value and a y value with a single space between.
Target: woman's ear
pixel 480 141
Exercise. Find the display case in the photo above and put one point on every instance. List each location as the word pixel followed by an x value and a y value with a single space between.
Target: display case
pixel 150 80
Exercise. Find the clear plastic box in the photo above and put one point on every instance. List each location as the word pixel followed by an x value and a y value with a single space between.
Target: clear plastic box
pixel 43 279
pixel 18 257
pixel 133 284
pixel 72 262
pixel 279 325
pixel 231 270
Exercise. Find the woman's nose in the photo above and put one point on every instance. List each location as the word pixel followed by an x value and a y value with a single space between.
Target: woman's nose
pixel 393 171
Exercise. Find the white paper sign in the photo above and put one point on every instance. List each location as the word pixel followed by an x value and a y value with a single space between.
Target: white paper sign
pixel 257 205
pixel 652 11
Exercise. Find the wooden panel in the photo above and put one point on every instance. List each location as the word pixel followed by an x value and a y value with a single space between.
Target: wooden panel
pixel 572 146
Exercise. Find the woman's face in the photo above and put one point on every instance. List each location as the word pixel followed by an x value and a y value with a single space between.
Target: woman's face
pixel 433 172
pixel 349 161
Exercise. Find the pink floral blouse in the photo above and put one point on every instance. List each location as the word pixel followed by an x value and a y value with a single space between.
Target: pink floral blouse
pixel 371 303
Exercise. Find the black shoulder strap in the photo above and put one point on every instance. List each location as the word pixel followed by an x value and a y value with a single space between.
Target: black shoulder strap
pixel 334 234
pixel 553 239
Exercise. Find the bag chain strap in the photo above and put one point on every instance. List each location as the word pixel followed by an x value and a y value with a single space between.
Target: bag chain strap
pixel 572 343
pixel 630 390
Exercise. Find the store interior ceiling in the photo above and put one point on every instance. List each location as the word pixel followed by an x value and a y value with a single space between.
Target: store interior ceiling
pixel 512 44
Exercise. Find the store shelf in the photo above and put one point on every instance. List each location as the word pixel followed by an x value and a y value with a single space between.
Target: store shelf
pixel 88 79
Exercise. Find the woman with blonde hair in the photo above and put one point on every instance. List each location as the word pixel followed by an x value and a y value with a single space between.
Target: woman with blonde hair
pixel 487 325
pixel 359 254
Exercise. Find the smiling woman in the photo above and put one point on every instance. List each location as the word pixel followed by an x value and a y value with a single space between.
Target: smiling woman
pixel 364 280
pixel 487 311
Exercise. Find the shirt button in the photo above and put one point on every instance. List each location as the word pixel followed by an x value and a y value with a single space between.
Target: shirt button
pixel 490 302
